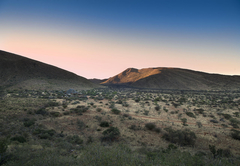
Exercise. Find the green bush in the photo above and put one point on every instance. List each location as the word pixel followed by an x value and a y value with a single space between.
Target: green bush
pixel 183 138
pixel 157 108
pixel 190 114
pixel 29 122
pixel 51 104
pixel 99 109
pixel 20 139
pixel 104 124
pixel 3 146
pixel 184 120
pixel 111 134
pixel 75 139
pixel 227 116
pixel 150 126
pixel 55 114
pixel 200 111
pixel 42 111
pixel 235 134
pixel 44 134
pixel 116 111
pixel 81 124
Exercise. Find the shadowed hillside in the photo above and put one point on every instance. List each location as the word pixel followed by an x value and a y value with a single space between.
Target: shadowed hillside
pixel 174 78
pixel 97 81
pixel 17 71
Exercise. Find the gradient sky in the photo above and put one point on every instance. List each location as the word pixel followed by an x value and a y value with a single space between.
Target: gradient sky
pixel 101 38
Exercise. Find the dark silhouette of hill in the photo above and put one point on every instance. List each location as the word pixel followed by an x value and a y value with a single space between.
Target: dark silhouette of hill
pixel 20 72
pixel 174 78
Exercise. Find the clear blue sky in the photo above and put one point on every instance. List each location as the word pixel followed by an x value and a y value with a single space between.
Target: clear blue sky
pixel 100 38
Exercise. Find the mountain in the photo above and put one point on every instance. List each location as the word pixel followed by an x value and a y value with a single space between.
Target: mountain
pixel 174 78
pixel 20 72
pixel 97 81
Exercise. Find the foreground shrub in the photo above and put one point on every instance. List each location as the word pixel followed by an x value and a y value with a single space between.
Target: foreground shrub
pixel 44 134
pixel 116 111
pixel 75 139
pixel 20 139
pixel 29 122
pixel 227 116
pixel 235 134
pixel 183 138
pixel 190 114
pixel 150 126
pixel 104 124
pixel 111 134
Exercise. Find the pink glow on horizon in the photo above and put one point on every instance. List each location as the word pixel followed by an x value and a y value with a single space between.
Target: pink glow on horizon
pixel 102 56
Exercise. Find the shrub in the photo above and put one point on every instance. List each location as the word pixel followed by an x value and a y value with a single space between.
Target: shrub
pixel 80 109
pixel 66 113
pixel 150 126
pixel 213 121
pixel 55 114
pixel 104 124
pixel 99 109
pixel 235 134
pixel 29 122
pixel 200 111
pixel 190 114
pixel 133 127
pixel 75 139
pixel 116 111
pixel 3 146
pixel 44 134
pixel 119 102
pixel 158 130
pixel 145 112
pixel 42 111
pixel 227 116
pixel 81 124
pixel 20 139
pixel 157 108
pixel 51 104
pixel 183 138
pixel 111 133
pixel 184 120
pixel 137 100
pixel 199 124
pixel 236 114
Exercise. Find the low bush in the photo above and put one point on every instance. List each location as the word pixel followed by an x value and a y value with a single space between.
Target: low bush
pixel 55 114
pixel 42 111
pixel 104 124
pixel 44 134
pixel 81 124
pixel 75 139
pixel 190 114
pixel 99 109
pixel 111 134
pixel 200 111
pixel 150 126
pixel 183 138
pixel 20 139
pixel 235 134
pixel 29 122
pixel 213 121
pixel 116 111
pixel 227 116
pixel 157 108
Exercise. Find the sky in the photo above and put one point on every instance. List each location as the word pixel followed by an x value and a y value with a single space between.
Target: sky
pixel 101 38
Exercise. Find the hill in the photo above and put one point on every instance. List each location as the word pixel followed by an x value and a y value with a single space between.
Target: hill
pixel 97 81
pixel 174 78
pixel 20 72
